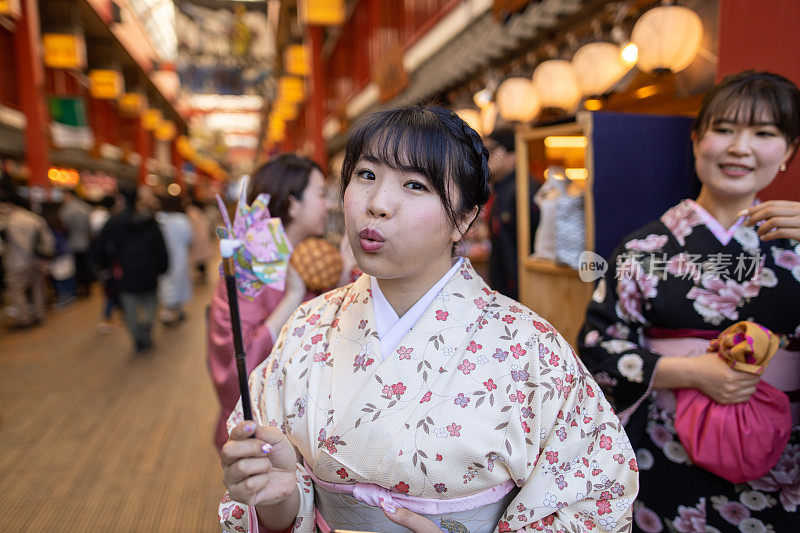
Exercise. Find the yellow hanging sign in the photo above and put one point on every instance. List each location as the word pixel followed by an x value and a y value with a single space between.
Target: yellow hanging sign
pixel 165 131
pixel 131 104
pixel 184 147
pixel 323 12
pixel 105 84
pixel 291 89
pixel 296 60
pixel 10 8
pixel 151 119
pixel 64 50
pixel 286 110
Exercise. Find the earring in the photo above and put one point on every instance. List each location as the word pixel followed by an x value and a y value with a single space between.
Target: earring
pixel 782 167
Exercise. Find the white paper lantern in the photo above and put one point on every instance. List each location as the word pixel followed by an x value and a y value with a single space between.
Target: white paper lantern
pixel 557 85
pixel 517 100
pixel 668 37
pixel 473 119
pixel 598 66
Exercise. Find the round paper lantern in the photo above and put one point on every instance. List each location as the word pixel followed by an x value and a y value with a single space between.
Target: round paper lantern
pixel 557 85
pixel 668 38
pixel 517 100
pixel 472 117
pixel 598 66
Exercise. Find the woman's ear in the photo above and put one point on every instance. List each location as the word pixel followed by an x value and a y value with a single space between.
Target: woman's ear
pixel 791 150
pixel 294 208
pixel 695 139
pixel 464 223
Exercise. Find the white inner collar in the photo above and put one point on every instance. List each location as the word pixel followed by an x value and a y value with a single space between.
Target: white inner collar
pixel 392 328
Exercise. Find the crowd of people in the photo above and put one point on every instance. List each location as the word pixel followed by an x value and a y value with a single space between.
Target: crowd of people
pixel 143 252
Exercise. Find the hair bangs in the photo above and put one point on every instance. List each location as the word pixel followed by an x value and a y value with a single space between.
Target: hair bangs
pixel 410 139
pixel 402 147
pixel 750 100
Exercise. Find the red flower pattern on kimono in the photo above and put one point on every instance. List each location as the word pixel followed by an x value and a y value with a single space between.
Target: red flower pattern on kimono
pixel 476 408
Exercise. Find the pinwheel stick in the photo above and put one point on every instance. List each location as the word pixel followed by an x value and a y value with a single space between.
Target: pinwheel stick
pixel 227 247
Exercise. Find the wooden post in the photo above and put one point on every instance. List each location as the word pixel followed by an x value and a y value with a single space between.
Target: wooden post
pixel 30 79
pixel 143 147
pixel 316 108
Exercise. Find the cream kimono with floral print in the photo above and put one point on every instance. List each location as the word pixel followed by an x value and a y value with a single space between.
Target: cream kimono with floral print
pixel 481 390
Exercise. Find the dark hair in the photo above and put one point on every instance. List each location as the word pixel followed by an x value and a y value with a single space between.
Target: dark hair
pixel 281 177
pixel 747 97
pixel 505 137
pixel 129 193
pixel 107 202
pixel 171 204
pixel 428 140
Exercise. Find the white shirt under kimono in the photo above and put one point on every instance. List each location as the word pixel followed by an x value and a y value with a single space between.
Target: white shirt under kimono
pixel 392 328
pixel 479 391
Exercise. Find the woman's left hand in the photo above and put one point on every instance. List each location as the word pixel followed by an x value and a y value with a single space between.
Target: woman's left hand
pixel 412 521
pixel 781 219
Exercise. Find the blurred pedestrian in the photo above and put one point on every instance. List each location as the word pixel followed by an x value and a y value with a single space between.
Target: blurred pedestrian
pixel 75 214
pixel 62 266
pixel 132 247
pixel 100 215
pixel 202 249
pixel 175 287
pixel 503 275
pixel 26 242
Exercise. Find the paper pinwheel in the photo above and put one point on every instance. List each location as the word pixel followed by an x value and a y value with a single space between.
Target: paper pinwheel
pixel 261 260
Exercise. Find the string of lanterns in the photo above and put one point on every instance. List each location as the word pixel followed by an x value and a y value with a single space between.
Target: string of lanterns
pixel 664 39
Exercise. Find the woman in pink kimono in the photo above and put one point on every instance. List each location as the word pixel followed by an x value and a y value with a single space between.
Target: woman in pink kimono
pixel 417 397
pixel 297 196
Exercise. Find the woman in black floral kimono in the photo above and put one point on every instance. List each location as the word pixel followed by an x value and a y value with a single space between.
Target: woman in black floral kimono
pixel 703 266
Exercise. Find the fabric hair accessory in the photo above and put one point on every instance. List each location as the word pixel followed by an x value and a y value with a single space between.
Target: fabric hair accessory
pixel 261 260
pixel 739 442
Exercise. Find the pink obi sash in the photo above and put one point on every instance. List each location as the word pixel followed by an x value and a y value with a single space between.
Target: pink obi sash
pixel 783 371
pixel 373 495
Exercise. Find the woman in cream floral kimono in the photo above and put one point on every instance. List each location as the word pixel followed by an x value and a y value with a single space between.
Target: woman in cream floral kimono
pixel 417 397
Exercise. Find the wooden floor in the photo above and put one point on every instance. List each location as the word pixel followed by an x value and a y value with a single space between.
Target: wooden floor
pixel 93 438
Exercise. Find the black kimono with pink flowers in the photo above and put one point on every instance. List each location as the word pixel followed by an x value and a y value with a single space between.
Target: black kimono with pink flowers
pixel 687 272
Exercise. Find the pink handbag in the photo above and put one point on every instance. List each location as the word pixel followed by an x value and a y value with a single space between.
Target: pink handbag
pixel 739 442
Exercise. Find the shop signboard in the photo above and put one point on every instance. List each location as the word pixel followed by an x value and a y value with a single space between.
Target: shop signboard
pixel 165 130
pixel 291 89
pixel 323 12
pixel 151 119
pixel 10 8
pixel 185 148
pixel 69 127
pixel 131 104
pixel 105 84
pixel 64 50
pixel 296 60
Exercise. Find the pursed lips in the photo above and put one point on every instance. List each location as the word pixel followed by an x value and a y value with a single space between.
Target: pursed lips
pixel 370 240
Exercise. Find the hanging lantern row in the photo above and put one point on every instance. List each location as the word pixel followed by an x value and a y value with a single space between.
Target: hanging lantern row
pixel 667 38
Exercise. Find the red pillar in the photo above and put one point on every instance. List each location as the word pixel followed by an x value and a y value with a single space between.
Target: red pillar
pixel 27 43
pixel 752 37
pixel 143 147
pixel 316 108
